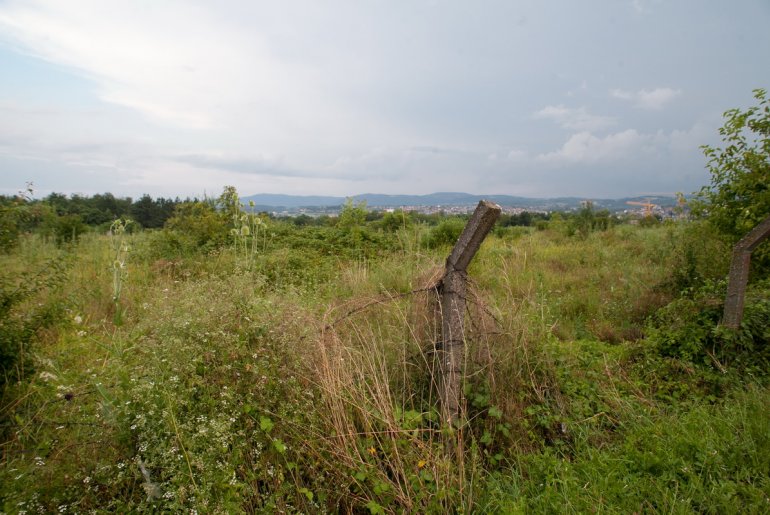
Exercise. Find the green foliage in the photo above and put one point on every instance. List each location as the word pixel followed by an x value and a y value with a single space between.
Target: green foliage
pixel 97 210
pixel 710 459
pixel 446 233
pixel 649 221
pixel 199 224
pixel 10 220
pixel 558 224
pixel 688 328
pixel 695 253
pixel 738 197
pixel 352 216
pixel 21 318
pixel 14 216
pixel 587 220
pixel 229 203
pixel 53 213
pixel 396 220
pixel 152 213
pixel 65 228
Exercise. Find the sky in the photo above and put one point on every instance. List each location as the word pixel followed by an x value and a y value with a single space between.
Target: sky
pixel 594 99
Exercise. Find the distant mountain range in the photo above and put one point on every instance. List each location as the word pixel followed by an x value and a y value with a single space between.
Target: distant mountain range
pixel 275 202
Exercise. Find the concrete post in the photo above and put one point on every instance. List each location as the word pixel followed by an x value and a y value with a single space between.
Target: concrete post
pixel 452 288
pixel 739 274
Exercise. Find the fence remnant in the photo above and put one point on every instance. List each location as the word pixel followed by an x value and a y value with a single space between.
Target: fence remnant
pixel 739 273
pixel 452 289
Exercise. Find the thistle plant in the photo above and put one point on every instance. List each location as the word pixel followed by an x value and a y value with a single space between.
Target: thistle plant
pixel 246 230
pixel 119 254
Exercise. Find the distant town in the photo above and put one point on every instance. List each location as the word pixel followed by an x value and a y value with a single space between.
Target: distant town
pixel 462 204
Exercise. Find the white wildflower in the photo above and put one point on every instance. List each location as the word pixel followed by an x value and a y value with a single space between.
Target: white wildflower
pixel 47 376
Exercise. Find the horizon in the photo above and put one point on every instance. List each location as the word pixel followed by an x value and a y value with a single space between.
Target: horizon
pixel 36 196
pixel 205 195
pixel 534 100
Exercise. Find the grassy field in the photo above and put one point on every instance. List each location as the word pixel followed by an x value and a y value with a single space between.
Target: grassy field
pixel 289 370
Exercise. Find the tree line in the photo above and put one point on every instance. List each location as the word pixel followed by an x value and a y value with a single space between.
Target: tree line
pixel 65 217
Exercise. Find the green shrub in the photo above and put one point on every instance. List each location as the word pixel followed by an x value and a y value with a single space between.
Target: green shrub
pixel 695 253
pixel 688 328
pixel 445 233
pixel 393 221
pixel 199 223
pixel 9 228
pixel 64 228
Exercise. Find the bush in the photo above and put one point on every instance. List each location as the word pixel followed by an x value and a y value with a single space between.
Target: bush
pixel 9 228
pixel 200 223
pixel 393 221
pixel 688 328
pixel 445 233
pixel 68 228
pixel 695 253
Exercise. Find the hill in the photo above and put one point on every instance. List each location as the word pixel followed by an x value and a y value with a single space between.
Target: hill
pixel 271 201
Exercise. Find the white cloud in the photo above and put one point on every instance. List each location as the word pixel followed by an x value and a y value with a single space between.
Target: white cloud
pixel 180 65
pixel 576 119
pixel 647 99
pixel 516 155
pixel 584 147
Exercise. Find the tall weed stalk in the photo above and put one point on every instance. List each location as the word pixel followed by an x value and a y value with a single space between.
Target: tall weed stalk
pixel 120 250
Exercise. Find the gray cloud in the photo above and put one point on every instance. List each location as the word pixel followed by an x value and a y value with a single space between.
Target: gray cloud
pixel 574 118
pixel 653 99
pixel 389 97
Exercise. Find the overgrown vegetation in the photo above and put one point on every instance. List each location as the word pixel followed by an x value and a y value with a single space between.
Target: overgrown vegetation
pixel 292 372
pixel 233 362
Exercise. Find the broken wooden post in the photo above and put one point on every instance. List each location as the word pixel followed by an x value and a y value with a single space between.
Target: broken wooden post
pixel 452 287
pixel 739 273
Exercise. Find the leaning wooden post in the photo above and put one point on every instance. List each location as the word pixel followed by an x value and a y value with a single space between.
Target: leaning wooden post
pixel 452 287
pixel 739 273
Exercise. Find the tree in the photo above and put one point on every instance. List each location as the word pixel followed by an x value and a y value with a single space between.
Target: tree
pixel 229 204
pixel 352 216
pixel 738 197
pixel 152 214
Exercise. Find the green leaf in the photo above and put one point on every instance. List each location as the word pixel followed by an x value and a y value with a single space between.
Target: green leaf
pixel 496 412
pixel 381 487
pixel 266 424
pixel 375 508
pixel 279 446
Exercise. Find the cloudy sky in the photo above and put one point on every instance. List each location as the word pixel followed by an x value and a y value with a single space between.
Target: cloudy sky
pixel 536 98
